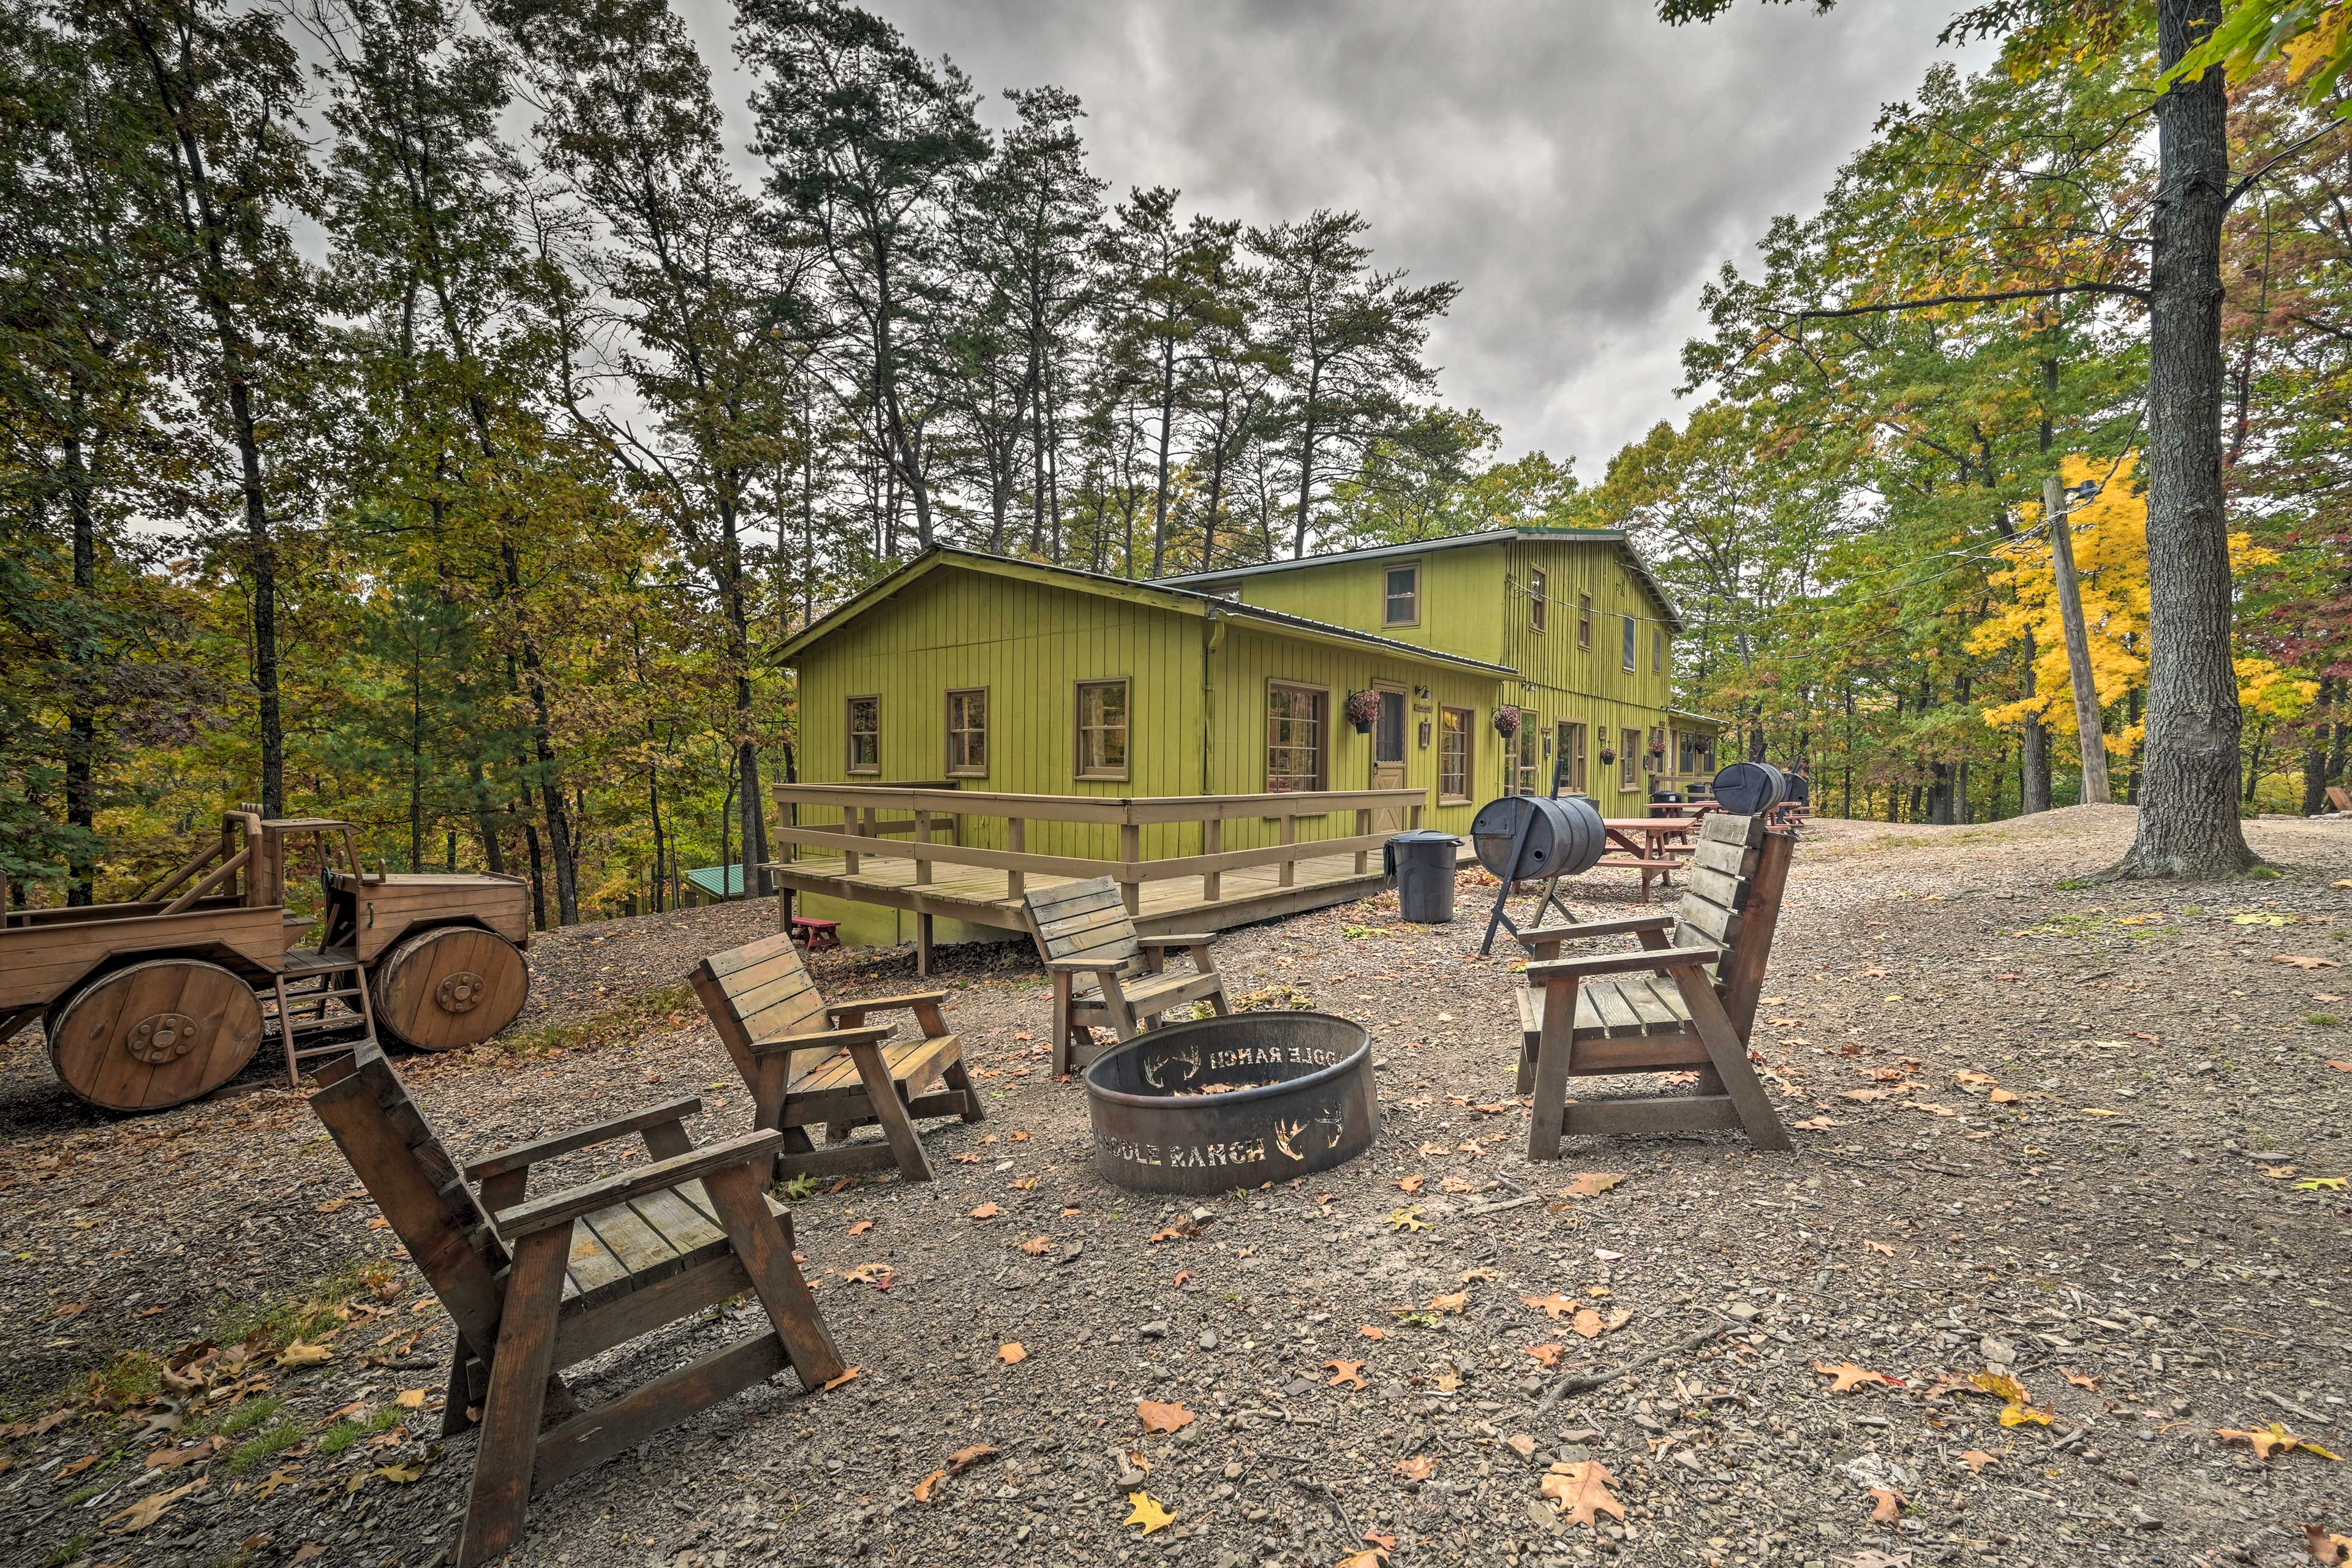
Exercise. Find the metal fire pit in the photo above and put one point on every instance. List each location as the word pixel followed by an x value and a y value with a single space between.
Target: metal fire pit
pixel 1231 1103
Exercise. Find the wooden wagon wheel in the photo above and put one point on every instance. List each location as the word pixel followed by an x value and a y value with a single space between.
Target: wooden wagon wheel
pixel 448 987
pixel 154 1034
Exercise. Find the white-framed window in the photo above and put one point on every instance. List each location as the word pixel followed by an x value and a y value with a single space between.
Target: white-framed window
pixel 968 733
pixel 1296 733
pixel 1629 642
pixel 1658 651
pixel 1401 596
pixel 1572 746
pixel 866 734
pixel 1584 620
pixel 1454 758
pixel 1537 582
pixel 1528 761
pixel 1101 742
pixel 1628 762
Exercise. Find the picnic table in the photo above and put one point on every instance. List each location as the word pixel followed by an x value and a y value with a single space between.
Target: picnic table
pixel 1654 845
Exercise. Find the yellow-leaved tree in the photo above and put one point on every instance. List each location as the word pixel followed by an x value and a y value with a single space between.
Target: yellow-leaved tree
pixel 2111 565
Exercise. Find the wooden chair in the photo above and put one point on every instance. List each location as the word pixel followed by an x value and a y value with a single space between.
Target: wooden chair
pixel 807 1062
pixel 2339 799
pixel 1686 1001
pixel 536 1285
pixel 1106 976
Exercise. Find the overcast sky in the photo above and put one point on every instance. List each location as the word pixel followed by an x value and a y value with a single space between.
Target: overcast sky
pixel 1579 168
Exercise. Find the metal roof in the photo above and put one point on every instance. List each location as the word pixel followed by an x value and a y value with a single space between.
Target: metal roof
pixel 1616 536
pixel 1185 600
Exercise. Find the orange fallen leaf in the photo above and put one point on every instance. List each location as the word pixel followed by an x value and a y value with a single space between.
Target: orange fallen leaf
pixel 2326 1546
pixel 1977 1460
pixel 2002 1097
pixel 2301 961
pixel 1580 1491
pixel 1879 1247
pixel 1010 1353
pixel 1849 1376
pixel 861 1228
pixel 1038 1245
pixel 1890 1504
pixel 1593 1183
pixel 1412 1184
pixel 1555 1306
pixel 1369 1333
pixel 2273 1438
pixel 1350 1373
pixel 1455 1302
pixel 847 1376
pixel 1163 1417
pixel 1420 1468
pixel 1547 1356
pixel 1522 1444
pixel 2080 1380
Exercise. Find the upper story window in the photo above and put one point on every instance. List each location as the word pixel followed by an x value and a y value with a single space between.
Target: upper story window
pixel 1629 642
pixel 866 734
pixel 1584 620
pixel 1400 604
pixel 1535 600
pixel 968 733
pixel 1102 730
pixel 1658 651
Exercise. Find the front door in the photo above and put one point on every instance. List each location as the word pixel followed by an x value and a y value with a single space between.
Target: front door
pixel 1388 755
pixel 1571 761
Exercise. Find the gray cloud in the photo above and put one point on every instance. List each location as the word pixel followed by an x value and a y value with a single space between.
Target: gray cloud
pixel 1579 168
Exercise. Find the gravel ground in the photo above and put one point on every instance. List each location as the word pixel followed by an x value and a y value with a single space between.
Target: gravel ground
pixel 2079 1136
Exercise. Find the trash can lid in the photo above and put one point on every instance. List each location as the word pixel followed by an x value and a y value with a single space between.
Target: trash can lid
pixel 1426 835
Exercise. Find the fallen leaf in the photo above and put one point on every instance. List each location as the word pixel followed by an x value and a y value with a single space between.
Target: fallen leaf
pixel 1420 1468
pixel 301 1354
pixel 1350 1373
pixel 401 1475
pixel 1038 1245
pixel 1522 1444
pixel 1588 1324
pixel 2301 961
pixel 1890 1504
pixel 861 1228
pixel 2321 1185
pixel 1581 1492
pixel 2341 1067
pixel 1148 1513
pixel 1555 1306
pixel 2080 1380
pixel 2273 1438
pixel 1407 1219
pixel 1010 1353
pixel 846 1376
pixel 1412 1184
pixel 2002 1097
pixel 2324 1544
pixel 277 1478
pixel 410 1399
pixel 2016 1414
pixel 1547 1356
pixel 1850 1376
pixel 1879 1247
pixel 985 1211
pixel 1456 1302
pixel 1171 1417
pixel 1449 1380
pixel 1977 1460
pixel 1593 1183
pixel 959 1462
pixel 151 1508
pixel 1369 1333
pixel 309 1550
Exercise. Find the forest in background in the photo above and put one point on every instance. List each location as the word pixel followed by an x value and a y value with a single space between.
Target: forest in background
pixel 411 416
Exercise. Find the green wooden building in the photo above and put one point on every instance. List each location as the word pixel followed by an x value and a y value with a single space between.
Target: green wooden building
pixel 1000 677
pixel 1574 614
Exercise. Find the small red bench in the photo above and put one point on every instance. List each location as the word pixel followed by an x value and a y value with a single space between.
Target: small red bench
pixel 818 935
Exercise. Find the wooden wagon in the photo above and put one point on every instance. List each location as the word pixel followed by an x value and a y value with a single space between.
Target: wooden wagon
pixel 153 1002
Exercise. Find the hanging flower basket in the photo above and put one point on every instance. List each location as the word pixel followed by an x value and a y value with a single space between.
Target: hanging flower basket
pixel 1507 722
pixel 1362 708
pixel 1607 756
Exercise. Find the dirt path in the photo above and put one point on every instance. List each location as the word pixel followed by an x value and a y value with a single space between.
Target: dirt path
pixel 2064 1132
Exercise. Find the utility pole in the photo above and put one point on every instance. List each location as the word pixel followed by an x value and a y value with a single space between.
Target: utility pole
pixel 2094 742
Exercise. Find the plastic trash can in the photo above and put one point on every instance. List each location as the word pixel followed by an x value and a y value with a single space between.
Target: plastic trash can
pixel 1421 863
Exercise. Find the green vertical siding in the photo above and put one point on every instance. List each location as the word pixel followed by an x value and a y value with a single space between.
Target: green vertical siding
pixel 1459 589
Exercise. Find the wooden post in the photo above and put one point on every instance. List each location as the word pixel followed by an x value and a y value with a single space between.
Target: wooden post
pixel 1131 850
pixel 1212 842
pixel 1016 839
pixel 1412 815
pixel 922 837
pixel 923 945
pixel 1363 857
pixel 1289 873
pixel 853 818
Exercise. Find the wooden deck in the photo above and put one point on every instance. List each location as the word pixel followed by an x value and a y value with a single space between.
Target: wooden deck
pixel 980 896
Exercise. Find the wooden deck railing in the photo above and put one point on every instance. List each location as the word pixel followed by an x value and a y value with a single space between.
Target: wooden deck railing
pixel 859 835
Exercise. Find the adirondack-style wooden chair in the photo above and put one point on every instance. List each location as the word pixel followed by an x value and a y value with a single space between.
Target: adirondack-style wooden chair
pixel 1686 1001
pixel 807 1062
pixel 538 1284
pixel 1106 976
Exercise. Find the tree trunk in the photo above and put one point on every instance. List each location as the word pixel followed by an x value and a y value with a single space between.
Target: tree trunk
pixel 81 719
pixel 2189 810
pixel 2315 751
pixel 2033 761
